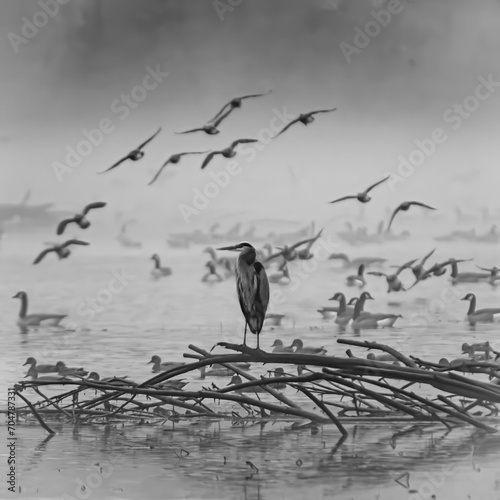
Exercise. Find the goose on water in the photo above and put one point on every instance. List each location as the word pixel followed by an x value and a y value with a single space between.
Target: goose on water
pixel 365 320
pixel 158 271
pixel 34 319
pixel 489 315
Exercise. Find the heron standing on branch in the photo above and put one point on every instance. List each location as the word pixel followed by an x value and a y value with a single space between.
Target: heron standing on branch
pixel 252 286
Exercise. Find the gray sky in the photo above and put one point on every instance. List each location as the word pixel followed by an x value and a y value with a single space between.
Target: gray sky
pixel 396 90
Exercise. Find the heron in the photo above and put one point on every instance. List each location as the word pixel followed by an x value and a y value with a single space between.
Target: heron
pixel 252 286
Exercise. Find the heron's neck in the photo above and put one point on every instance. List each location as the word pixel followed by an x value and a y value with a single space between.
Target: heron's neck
pixel 472 306
pixel 248 256
pixel 24 306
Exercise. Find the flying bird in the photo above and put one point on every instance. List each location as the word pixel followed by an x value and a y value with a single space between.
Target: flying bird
pixel 62 250
pixel 80 219
pixel 305 118
pixel 393 282
pixel 235 103
pixel 252 286
pixel 134 155
pixel 176 158
pixel 209 128
pixel 405 206
pixel 363 196
pixel 229 152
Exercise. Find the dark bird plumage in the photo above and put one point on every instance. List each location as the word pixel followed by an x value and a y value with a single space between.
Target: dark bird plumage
pixel 176 158
pixel 235 103
pixel 363 196
pixel 80 219
pixel 405 206
pixel 209 128
pixel 304 118
pixel 226 152
pixel 61 250
pixel 252 286
pixel 134 155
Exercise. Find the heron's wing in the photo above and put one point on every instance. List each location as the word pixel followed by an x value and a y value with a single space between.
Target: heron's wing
pixel 92 206
pixel 376 184
pixel 42 254
pixel 149 140
pixel 191 131
pixel 208 159
pixel 350 197
pixel 377 273
pixel 421 205
pixel 406 265
pixel 242 141
pixel 287 126
pixel 221 117
pixel 321 111
pixel 62 225
pixel 392 217
pixel 74 242
pixel 426 258
pixel 261 292
pixel 119 162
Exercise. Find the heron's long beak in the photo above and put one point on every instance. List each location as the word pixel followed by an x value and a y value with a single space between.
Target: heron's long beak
pixel 231 248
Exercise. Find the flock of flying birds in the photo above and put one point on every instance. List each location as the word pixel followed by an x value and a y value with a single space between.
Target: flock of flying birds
pixel 250 266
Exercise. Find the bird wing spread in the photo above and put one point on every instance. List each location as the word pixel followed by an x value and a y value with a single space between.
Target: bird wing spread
pixel 350 197
pixel 92 206
pixel 208 159
pixel 322 111
pixel 62 225
pixel 376 184
pixel 242 141
pixel 74 242
pixel 119 162
pixel 287 126
pixel 392 217
pixel 42 254
pixel 149 140
pixel 421 205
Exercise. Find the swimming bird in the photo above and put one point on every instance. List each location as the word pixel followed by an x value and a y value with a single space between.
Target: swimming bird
pixel 357 279
pixel 345 312
pixel 304 118
pixel 300 349
pixel 80 219
pixel 65 371
pixel 405 206
pixel 273 319
pixel 252 287
pixel 278 372
pixel 229 152
pixel 45 378
pixel 172 384
pixel 216 371
pixel 211 272
pixel 236 380
pixel 158 366
pixel 40 368
pixel 489 315
pixel 124 381
pixel 467 277
pixel 279 347
pixel 332 311
pixel 158 271
pixel 174 159
pixel 62 250
pixel 36 319
pixel 385 357
pixel 134 155
pixel 235 103
pixel 363 196
pixel 362 319
pixel 393 282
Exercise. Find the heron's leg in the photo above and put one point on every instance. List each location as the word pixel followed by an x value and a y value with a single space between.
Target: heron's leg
pixel 245 336
pixel 258 341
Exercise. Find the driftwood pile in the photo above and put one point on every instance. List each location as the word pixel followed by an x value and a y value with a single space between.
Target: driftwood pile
pixel 341 389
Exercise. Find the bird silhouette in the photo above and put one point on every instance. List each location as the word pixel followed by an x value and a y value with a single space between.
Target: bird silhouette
pixel 229 152
pixel 304 118
pixel 80 219
pixel 176 158
pixel 62 250
pixel 405 206
pixel 363 196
